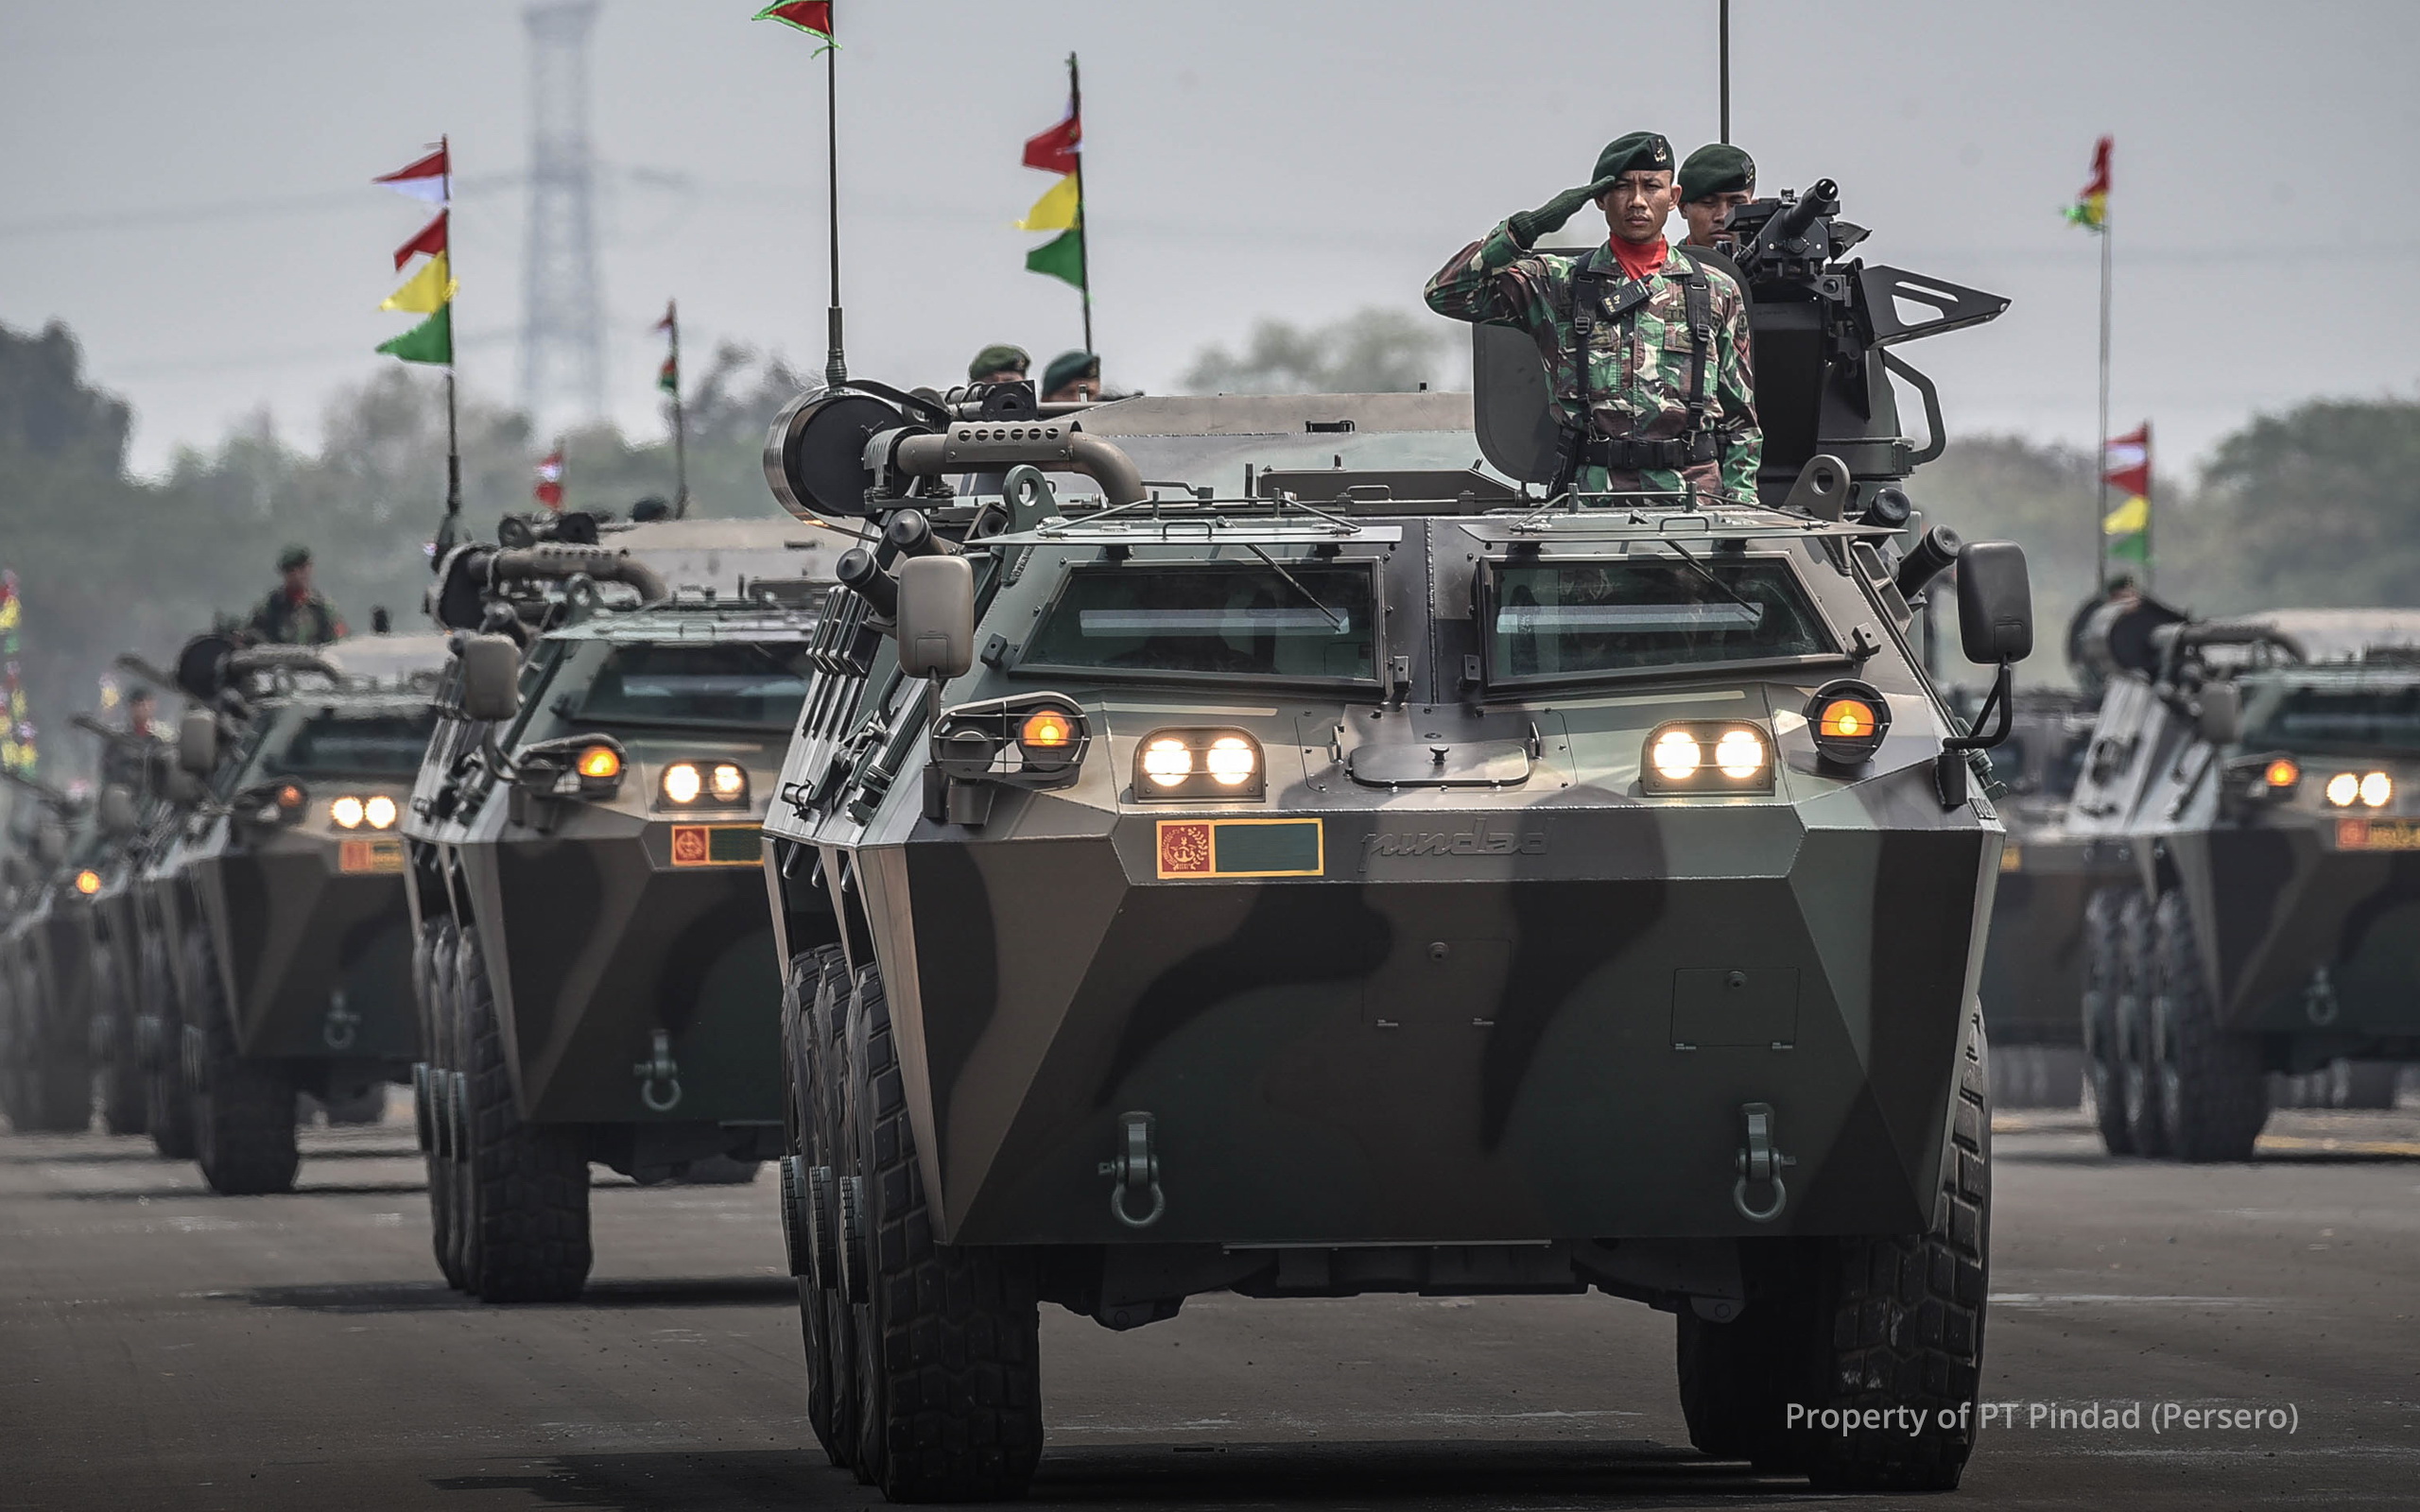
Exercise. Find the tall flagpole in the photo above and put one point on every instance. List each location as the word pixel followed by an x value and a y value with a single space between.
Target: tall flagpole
pixel 836 364
pixel 679 424
pixel 1725 30
pixel 453 429
pixel 1083 249
pixel 2100 458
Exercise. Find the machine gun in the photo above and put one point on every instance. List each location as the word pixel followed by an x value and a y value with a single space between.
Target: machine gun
pixel 516 589
pixel 1820 329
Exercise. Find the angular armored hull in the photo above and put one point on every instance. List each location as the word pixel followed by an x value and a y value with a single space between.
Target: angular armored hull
pixel 328 979
pixel 1456 1033
pixel 2273 903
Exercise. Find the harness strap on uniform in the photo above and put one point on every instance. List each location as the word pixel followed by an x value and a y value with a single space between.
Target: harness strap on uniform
pixel 1582 443
pixel 1698 296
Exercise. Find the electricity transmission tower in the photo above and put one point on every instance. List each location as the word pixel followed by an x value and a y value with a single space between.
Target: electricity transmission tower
pixel 562 335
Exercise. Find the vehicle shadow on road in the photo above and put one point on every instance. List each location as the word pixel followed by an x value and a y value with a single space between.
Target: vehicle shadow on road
pixel 435 1297
pixel 1478 1473
pixel 197 1193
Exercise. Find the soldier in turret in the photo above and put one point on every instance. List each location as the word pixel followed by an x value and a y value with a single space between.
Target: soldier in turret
pixel 295 614
pixel 1664 401
pixel 1716 180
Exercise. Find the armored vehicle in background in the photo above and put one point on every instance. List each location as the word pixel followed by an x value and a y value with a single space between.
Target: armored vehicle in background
pixel 45 983
pixel 598 977
pixel 1337 871
pixel 2265 775
pixel 2033 969
pixel 277 949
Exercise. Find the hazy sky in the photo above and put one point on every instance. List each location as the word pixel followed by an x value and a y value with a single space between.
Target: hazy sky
pixel 187 186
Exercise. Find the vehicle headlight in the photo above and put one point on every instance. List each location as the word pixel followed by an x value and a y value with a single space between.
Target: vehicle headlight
pixel 683 783
pixel 1847 719
pixel 88 881
pixel 1676 755
pixel 379 810
pixel 2342 789
pixel 1199 763
pixel 2378 790
pixel 346 812
pixel 728 783
pixel 1707 756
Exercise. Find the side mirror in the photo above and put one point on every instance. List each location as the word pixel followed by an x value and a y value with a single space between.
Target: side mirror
pixel 198 743
pixel 491 677
pixel 1995 603
pixel 115 813
pixel 936 616
pixel 2219 713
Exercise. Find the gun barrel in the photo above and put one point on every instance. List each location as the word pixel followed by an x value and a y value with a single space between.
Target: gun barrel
pixel 1823 199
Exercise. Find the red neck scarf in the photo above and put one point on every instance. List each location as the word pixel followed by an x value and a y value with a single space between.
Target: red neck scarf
pixel 1639 261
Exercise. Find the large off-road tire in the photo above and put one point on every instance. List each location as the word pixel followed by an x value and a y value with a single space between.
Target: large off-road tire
pixel 2213 1088
pixel 949 1386
pixel 117 1080
pixel 527 1183
pixel 2363 1083
pixel 2141 1085
pixel 167 1102
pixel 434 997
pixel 1856 1323
pixel 243 1110
pixel 2103 1059
pixel 815 985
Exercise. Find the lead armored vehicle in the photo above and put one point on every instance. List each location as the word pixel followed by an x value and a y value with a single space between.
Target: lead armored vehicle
pixel 278 951
pixel 1330 867
pixel 2263 772
pixel 598 977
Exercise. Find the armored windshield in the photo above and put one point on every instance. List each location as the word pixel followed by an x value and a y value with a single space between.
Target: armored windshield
pixel 1243 619
pixel 744 683
pixel 1581 618
pixel 2345 719
pixel 336 743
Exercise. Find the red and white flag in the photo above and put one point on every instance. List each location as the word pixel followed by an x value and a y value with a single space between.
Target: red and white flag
pixel 425 180
pixel 550 491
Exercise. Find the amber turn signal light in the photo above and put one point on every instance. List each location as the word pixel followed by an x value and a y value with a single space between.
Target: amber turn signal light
pixel 600 762
pixel 88 881
pixel 1848 720
pixel 2281 773
pixel 1046 730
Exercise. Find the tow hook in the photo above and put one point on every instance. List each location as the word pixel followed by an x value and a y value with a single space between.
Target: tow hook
pixel 1760 1164
pixel 343 1026
pixel 1135 1172
pixel 2319 999
pixel 659 1070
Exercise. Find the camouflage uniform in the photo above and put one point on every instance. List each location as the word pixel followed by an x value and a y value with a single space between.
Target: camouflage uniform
pixel 284 621
pixel 1642 350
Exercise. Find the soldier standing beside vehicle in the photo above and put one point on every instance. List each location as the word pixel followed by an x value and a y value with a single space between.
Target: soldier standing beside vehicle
pixel 1665 399
pixel 1716 180
pixel 295 614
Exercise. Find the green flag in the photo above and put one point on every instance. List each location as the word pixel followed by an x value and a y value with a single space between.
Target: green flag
pixel 432 341
pixel 1061 257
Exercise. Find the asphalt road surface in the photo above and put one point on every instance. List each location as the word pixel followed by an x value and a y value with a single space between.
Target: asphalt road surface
pixel 162 1347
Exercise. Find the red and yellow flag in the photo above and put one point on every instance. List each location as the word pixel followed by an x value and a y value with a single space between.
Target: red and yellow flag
pixel 2091 208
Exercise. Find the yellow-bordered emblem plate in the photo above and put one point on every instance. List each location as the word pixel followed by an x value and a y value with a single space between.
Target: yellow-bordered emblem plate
pixel 718 845
pixel 1240 847
pixel 369 857
pixel 2378 834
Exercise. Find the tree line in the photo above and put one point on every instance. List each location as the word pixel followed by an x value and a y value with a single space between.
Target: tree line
pixel 2313 506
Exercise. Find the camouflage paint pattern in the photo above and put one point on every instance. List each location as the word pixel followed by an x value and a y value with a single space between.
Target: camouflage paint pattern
pixel 1639 356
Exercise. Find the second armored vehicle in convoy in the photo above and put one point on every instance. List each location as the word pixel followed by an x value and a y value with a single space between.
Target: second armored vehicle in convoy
pixel 276 950
pixel 2265 774
pixel 1336 868
pixel 598 977
pixel 45 980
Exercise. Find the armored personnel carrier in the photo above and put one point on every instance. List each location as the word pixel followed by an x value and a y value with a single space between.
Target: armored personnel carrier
pixel 1329 868
pixel 275 945
pixel 598 979
pixel 2261 771
pixel 45 987
pixel 2034 967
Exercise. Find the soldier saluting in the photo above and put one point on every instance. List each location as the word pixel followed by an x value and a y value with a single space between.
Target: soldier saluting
pixel 1663 398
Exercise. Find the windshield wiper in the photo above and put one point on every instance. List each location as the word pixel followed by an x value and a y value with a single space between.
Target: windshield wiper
pixel 1716 583
pixel 1341 621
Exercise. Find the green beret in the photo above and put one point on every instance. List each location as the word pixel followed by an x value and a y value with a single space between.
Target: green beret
pixel 293 557
pixel 1066 368
pixel 993 359
pixel 1717 168
pixel 1641 149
